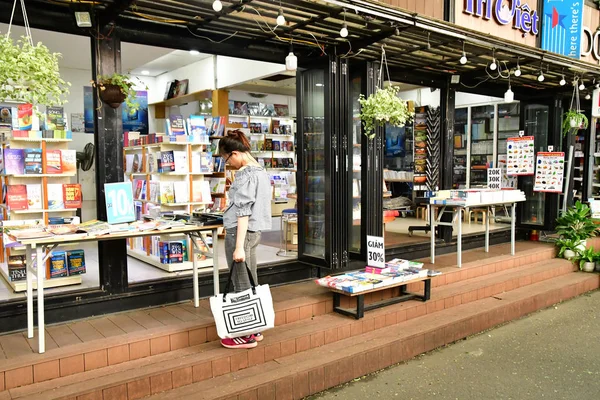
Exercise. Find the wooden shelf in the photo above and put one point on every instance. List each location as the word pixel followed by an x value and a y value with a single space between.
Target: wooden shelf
pixel 44 211
pixel 21 286
pixel 160 108
pixel 26 139
pixel 40 175
pixel 155 261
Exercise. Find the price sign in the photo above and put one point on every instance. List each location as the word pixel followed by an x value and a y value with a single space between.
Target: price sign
pixel 494 178
pixel 375 252
pixel 119 202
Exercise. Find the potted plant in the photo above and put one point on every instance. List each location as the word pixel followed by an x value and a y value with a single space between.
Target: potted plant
pixel 117 88
pixel 587 260
pixel 576 224
pixel 29 73
pixel 566 248
pixel 381 108
pixel 574 119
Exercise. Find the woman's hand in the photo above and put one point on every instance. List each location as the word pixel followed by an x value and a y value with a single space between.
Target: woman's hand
pixel 239 255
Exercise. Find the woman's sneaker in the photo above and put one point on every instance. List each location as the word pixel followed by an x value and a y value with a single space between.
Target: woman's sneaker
pixel 258 337
pixel 244 342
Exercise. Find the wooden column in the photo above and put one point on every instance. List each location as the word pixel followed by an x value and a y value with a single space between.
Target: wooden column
pixel 108 137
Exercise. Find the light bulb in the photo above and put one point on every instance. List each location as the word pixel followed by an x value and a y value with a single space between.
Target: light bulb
pixel 217 5
pixel 344 31
pixel 509 96
pixel 280 18
pixel 194 52
pixel 493 65
pixel 562 81
pixel 541 77
pixel 582 86
pixel 145 72
pixel 291 62
pixel 587 97
pixel 463 59
pixel 518 71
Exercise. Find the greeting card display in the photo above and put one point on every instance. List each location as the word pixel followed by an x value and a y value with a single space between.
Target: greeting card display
pixel 549 172
pixel 521 155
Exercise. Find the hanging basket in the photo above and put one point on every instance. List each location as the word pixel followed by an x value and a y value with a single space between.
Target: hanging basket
pixel 112 95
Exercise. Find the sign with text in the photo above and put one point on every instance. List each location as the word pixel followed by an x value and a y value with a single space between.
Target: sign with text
pixel 549 172
pixel 516 13
pixel 562 26
pixel 494 178
pixel 521 155
pixel 375 251
pixel 119 202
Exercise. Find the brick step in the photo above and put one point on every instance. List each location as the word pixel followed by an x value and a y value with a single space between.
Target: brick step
pixel 210 359
pixel 300 375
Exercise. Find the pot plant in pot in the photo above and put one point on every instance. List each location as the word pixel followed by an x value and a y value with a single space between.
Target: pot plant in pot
pixel 587 260
pixel 117 88
pixel 576 224
pixel 574 119
pixel 566 248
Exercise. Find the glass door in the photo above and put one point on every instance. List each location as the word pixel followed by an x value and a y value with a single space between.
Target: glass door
pixel 355 165
pixel 481 145
pixel 508 125
pixel 461 133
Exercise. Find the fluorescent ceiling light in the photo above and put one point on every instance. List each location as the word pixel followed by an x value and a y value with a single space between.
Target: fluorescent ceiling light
pixel 145 72
pixel 194 52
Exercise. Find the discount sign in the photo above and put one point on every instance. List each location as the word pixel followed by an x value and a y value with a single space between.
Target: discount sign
pixel 119 202
pixel 375 252
pixel 494 178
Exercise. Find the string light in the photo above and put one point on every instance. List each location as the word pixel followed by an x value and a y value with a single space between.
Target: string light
pixel 582 85
pixel 291 61
pixel 280 18
pixel 541 77
pixel 493 65
pixel 344 30
pixel 563 82
pixel 463 60
pixel 509 96
pixel 518 70
pixel 217 5
pixel 587 96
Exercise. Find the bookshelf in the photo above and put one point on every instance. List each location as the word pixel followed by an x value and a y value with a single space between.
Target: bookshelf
pixel 161 108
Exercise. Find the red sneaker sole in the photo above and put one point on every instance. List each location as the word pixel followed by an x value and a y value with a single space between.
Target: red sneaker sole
pixel 240 346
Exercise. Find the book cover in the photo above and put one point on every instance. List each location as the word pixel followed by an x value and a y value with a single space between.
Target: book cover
pixel 151 163
pixel 180 160
pixel 55 196
pixel 16 197
pixel 205 190
pixel 58 265
pixel 196 160
pixel 137 188
pixel 14 161
pixel 53 162
pixel 197 192
pixel 175 252
pixel 68 160
pixel 166 193
pixel 181 192
pixel 268 144
pixel 55 118
pixel 276 128
pixel 136 167
pixel 281 110
pixel 197 125
pixel 181 88
pixel 34 196
pixel 76 262
pixel 72 195
pixel 170 89
pixel 17 268
pixel 167 161
pixel 253 108
pixel 25 115
pixel 276 145
pixel 154 192
pixel 33 161
pixel 206 163
pixel 177 124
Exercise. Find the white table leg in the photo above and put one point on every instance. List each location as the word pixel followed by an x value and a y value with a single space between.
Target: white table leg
pixel 432 223
pixel 459 237
pixel 513 220
pixel 195 272
pixel 41 275
pixel 215 254
pixel 28 271
pixel 487 229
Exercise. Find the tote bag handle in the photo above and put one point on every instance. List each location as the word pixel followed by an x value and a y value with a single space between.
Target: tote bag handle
pixel 227 287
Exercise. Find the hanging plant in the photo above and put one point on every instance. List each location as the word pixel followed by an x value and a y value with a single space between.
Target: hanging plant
pixel 381 108
pixel 117 88
pixel 574 119
pixel 29 73
pixel 384 106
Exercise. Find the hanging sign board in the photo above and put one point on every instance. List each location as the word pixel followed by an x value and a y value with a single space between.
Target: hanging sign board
pixel 520 156
pixel 549 172
pixel 494 178
pixel 119 202
pixel 508 182
pixel 375 252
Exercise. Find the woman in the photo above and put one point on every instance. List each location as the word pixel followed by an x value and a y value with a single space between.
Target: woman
pixel 248 213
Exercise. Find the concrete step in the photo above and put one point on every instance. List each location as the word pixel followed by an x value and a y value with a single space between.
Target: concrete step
pixel 208 360
pixel 299 375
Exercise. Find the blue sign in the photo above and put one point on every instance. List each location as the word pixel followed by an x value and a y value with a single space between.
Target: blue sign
pixel 561 27
pixel 517 12
pixel 119 202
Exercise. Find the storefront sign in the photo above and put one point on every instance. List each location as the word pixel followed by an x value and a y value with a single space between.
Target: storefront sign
pixel 590 43
pixel 375 251
pixel 494 178
pixel 119 202
pixel 517 12
pixel 549 171
pixel 520 155
pixel 562 27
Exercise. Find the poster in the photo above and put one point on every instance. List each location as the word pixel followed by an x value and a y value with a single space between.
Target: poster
pixel 521 155
pixel 549 172
pixel 508 182
pixel 77 122
pixel 136 121
pixel 88 109
pixel 562 24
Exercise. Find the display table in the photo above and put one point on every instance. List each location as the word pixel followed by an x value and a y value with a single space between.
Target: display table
pixel 458 208
pixel 43 248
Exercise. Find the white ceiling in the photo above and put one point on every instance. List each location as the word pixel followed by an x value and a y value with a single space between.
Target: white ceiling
pixel 135 58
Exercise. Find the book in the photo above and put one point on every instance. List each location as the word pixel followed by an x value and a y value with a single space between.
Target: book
pixel 68 161
pixel 34 196
pixel 55 118
pixel 151 163
pixel 166 162
pixel 58 265
pixel 14 161
pixel 17 268
pixel 268 144
pixel 53 162
pixel 76 262
pixel 181 192
pixel 205 190
pixel 55 196
pixel 181 88
pixel 25 116
pixel 16 197
pixel 276 145
pixel 170 90
pixel 167 195
pixel 197 125
pixel 206 163
pixel 72 195
pixel 176 125
pixel 33 161
pixel 180 160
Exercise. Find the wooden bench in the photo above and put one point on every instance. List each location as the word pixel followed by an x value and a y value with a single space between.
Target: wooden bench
pixel 360 297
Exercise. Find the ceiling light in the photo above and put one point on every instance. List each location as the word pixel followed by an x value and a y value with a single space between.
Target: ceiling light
pixel 397 31
pixel 145 72
pixel 518 70
pixel 587 96
pixel 280 18
pixel 217 5
pixel 541 77
pixel 83 19
pixel 194 52
pixel 582 86
pixel 493 65
pixel 291 62
pixel 463 60
pixel 319 84
pixel 509 96
pixel 563 82
pixel 344 31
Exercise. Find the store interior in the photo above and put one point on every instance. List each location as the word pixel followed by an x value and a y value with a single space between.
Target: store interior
pixel 248 82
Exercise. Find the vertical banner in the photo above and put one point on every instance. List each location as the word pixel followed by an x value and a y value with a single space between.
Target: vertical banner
pixel 88 109
pixel 136 120
pixel 549 172
pixel 562 26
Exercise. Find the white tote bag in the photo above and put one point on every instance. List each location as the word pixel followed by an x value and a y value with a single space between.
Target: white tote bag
pixel 244 313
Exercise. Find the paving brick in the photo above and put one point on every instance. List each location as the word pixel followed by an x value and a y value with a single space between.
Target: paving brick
pixel 159 345
pixel 139 349
pixel 46 371
pixel 239 360
pixel 221 366
pixel 302 344
pixel 18 377
pixel 300 385
pixel 138 389
pixel 97 395
pixel 182 377
pixel 316 380
pixel 115 393
pixel 292 315
pixel 249 395
pixel 161 383
pixel 71 365
pixel 256 356
pixel 197 336
pixel 305 312
pixel 288 347
pixel 317 339
pixel 211 333
pixel 266 392
pixel 201 372
pixel 332 375
pixel 284 389
pixel 319 308
pixel 118 354
pixel 96 359
pixel 179 340
pixel 272 351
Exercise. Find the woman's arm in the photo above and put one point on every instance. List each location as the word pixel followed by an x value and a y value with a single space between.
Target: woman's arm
pixel 239 255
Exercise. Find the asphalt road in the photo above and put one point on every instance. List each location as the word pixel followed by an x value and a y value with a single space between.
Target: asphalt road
pixel 551 354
